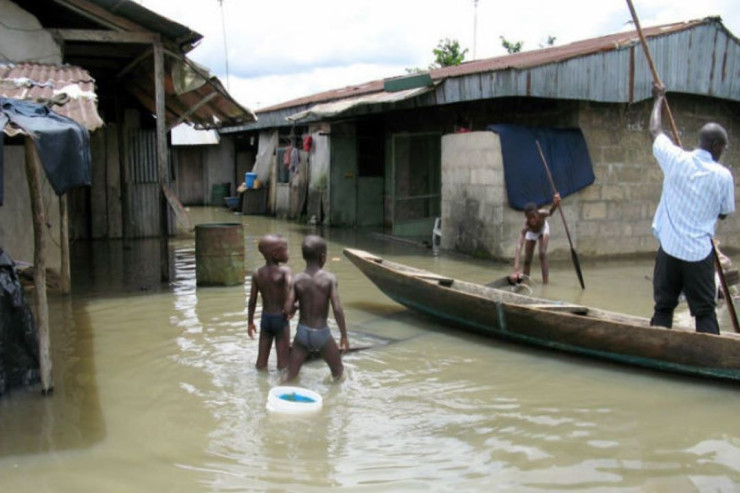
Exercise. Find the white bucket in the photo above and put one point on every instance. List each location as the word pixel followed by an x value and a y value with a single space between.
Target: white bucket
pixel 293 400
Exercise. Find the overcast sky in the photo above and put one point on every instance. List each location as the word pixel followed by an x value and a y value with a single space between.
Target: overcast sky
pixel 280 50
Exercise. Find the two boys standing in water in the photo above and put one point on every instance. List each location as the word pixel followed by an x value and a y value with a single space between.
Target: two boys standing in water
pixel 310 292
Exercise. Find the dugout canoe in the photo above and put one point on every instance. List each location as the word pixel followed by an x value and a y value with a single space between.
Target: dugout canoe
pixel 552 324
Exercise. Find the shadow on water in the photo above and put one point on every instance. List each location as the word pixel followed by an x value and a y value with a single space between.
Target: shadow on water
pixel 114 267
pixel 71 416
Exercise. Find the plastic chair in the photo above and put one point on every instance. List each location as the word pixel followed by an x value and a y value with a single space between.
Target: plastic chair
pixel 437 233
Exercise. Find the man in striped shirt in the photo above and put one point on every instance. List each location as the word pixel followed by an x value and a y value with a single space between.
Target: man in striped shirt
pixel 696 191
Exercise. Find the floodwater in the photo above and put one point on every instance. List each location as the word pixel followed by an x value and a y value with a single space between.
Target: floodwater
pixel 155 390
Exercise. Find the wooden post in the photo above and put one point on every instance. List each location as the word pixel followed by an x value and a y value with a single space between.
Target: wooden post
pixel 33 176
pixel 162 165
pixel 66 281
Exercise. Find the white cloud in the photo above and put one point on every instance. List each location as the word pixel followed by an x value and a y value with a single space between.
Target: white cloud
pixel 286 49
pixel 285 88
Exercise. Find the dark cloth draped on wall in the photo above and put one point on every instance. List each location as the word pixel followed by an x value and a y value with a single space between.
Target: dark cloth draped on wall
pixel 526 179
pixel 3 122
pixel 19 347
pixel 2 160
pixel 63 144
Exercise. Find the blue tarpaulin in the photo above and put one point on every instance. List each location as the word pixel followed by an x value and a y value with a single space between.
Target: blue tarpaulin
pixel 566 154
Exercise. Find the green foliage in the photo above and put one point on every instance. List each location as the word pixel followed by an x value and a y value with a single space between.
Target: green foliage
pixel 512 47
pixel 448 53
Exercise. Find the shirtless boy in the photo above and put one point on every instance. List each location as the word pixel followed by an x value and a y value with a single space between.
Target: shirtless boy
pixel 315 289
pixel 272 281
pixel 535 229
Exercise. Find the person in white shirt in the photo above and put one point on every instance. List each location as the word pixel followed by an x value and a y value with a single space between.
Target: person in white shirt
pixel 697 190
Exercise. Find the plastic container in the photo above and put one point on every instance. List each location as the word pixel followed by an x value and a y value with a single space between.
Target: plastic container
pixel 232 202
pixel 293 400
pixel 249 179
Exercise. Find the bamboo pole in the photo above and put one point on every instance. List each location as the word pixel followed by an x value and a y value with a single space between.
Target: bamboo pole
pixel 33 176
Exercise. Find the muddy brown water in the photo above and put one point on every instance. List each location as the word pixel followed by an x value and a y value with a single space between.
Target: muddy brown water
pixel 155 390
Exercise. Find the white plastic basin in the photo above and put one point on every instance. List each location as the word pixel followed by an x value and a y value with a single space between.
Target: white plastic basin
pixel 293 400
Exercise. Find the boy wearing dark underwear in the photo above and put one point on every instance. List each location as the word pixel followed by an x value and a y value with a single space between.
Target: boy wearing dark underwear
pixel 272 281
pixel 315 289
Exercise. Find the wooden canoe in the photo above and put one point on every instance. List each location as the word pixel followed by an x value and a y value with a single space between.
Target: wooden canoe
pixel 551 324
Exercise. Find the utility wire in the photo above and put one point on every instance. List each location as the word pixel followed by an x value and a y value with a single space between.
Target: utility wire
pixel 226 50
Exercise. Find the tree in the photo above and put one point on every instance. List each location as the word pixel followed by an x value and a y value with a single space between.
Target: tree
pixel 550 41
pixel 448 53
pixel 511 47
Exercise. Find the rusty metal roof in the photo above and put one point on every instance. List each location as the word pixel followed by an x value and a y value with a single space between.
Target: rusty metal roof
pixel 516 64
pixel 205 103
pixel 50 83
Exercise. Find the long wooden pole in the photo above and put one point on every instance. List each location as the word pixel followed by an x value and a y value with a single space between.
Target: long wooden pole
pixel 66 280
pixel 674 129
pixel 162 174
pixel 573 254
pixel 33 176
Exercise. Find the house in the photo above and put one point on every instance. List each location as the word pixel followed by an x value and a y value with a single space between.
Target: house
pixel 143 86
pixel 390 154
pixel 96 58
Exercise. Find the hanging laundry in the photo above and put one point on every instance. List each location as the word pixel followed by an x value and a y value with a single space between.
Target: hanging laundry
pixel 294 159
pixel 286 156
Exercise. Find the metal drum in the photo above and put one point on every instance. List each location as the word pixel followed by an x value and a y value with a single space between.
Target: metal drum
pixel 219 254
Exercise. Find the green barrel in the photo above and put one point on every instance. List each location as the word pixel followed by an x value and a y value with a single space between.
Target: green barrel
pixel 219 254
pixel 219 191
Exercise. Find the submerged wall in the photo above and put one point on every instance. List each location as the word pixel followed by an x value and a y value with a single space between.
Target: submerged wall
pixel 16 221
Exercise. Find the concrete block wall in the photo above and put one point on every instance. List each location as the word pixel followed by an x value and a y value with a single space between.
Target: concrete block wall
pixel 473 194
pixel 613 216
pixel 476 216
pixel 616 211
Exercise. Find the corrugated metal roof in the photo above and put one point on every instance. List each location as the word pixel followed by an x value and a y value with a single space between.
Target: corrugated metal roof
pixel 44 83
pixel 609 68
pixel 336 107
pixel 185 37
pixel 207 104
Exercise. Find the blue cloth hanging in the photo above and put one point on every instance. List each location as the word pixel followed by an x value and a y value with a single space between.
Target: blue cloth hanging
pixel 567 157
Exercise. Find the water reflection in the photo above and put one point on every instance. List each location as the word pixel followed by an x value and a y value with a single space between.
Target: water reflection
pixel 71 417
pixel 156 391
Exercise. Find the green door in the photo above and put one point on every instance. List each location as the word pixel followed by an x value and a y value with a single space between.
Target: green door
pixel 416 163
pixel 343 185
